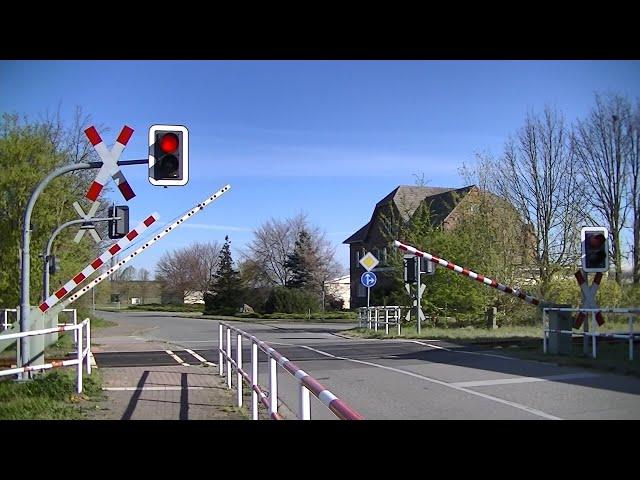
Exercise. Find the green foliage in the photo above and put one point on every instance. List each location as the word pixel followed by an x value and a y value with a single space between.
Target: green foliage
pixel 298 262
pixel 290 300
pixel 48 397
pixel 227 289
pixel 631 295
pixel 28 152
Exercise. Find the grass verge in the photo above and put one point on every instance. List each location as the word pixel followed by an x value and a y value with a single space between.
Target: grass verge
pixel 51 396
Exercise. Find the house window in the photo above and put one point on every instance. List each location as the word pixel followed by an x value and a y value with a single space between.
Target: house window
pixel 383 256
pixel 361 292
pixel 358 256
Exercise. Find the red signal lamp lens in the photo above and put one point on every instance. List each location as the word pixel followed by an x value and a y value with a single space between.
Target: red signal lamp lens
pixel 596 241
pixel 169 143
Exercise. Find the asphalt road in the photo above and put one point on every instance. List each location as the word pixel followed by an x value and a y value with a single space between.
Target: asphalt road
pixel 386 379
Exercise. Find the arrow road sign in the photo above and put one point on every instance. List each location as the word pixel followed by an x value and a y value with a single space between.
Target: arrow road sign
pixel 110 163
pixel 368 279
pixel 89 225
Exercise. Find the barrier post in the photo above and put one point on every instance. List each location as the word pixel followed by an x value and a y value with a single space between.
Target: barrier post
pixel 273 386
pixel 376 319
pixel 228 357
pixel 544 330
pixel 220 340
pixel 593 334
pixel 239 381
pixel 79 354
pixel 88 347
pixel 369 317
pixel 386 320
pixel 630 337
pixel 254 380
pixel 305 404
pixel 75 322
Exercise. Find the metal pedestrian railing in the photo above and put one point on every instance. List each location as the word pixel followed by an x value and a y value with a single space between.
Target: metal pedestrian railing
pixel 5 317
pixel 82 353
pixel 373 317
pixel 630 336
pixel 306 383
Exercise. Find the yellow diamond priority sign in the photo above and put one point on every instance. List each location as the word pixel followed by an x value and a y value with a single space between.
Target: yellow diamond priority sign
pixel 369 262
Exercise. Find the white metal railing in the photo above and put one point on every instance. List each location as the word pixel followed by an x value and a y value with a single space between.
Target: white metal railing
pixel 74 316
pixel 5 317
pixel 375 316
pixel 82 354
pixel 306 383
pixel 630 336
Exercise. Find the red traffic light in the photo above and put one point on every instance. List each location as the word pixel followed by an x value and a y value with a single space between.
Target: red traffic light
pixel 596 241
pixel 169 143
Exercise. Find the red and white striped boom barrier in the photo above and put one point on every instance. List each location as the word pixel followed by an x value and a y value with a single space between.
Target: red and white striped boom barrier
pixel 165 231
pixel 306 382
pixel 97 263
pixel 109 163
pixel 467 273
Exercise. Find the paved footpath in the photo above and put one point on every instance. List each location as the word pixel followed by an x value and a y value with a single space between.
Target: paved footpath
pixel 158 392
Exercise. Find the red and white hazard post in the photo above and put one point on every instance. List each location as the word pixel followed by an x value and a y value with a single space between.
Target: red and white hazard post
pixel 588 293
pixel 110 163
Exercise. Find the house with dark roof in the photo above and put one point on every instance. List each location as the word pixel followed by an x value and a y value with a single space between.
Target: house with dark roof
pixel 377 235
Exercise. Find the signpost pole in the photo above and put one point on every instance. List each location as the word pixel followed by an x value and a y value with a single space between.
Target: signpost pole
pixel 417 263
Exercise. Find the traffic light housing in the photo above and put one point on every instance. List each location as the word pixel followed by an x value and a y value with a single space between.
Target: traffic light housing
pixel 595 249
pixel 410 269
pixel 168 155
pixel 118 228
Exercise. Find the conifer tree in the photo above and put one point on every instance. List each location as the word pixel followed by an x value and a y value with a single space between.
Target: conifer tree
pixel 227 291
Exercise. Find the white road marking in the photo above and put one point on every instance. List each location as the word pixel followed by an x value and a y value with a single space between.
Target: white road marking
pixel 504 357
pixel 202 359
pixel 177 358
pixel 131 389
pixel 533 411
pixel 507 381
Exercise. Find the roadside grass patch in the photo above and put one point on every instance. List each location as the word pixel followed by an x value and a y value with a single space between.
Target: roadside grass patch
pixel 51 396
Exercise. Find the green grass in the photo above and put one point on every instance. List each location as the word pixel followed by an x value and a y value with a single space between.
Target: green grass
pixel 169 307
pixel 51 396
pixel 468 334
pixel 611 356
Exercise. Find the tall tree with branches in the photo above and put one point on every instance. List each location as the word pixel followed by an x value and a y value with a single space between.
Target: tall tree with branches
pixel 538 176
pixel 601 145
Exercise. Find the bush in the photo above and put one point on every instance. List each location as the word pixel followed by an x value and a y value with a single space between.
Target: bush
pixel 290 300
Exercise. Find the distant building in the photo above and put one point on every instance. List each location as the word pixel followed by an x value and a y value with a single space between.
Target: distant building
pixel 446 205
pixel 340 288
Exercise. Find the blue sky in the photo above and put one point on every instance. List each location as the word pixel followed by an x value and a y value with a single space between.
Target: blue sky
pixel 328 138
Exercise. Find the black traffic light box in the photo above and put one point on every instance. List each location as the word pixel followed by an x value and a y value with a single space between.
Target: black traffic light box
pixel 118 228
pixel 595 249
pixel 168 155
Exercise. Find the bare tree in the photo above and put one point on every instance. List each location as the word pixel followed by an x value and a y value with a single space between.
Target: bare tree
pixel 634 187
pixel 602 145
pixel 538 176
pixel 189 270
pixel 266 256
pixel 266 259
pixel 144 277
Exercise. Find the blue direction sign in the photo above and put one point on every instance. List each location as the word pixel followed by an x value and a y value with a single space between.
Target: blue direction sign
pixel 368 279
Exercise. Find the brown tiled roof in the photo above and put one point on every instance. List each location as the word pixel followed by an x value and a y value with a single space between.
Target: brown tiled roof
pixel 407 198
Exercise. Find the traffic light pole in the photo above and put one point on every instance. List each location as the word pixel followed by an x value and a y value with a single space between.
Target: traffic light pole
pixel 25 263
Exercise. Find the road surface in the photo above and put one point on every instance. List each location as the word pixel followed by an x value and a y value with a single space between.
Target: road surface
pixel 383 379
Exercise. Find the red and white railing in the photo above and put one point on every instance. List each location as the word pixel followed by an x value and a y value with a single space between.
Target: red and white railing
pixel 631 336
pixel 83 353
pixel 306 383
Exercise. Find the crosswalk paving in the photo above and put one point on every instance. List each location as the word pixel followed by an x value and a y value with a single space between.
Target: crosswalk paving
pixel 185 358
